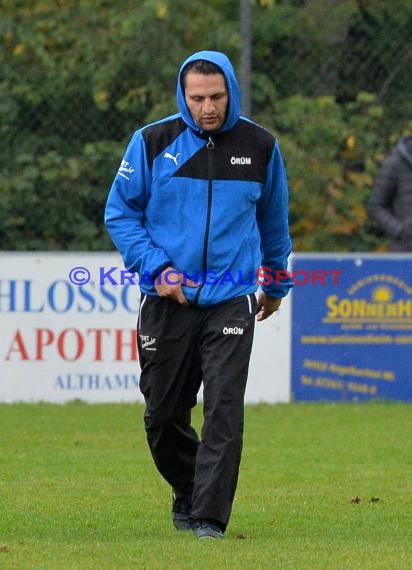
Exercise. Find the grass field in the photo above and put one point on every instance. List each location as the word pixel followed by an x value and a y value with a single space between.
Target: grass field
pixel 322 486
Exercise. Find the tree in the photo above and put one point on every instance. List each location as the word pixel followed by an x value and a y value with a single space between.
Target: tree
pixel 78 77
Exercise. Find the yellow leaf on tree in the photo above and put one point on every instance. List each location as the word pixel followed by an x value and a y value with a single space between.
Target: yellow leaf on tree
pixel 351 141
pixel 101 98
pixel 19 49
pixel 161 11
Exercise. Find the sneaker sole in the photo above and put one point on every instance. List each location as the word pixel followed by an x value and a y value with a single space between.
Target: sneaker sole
pixel 211 535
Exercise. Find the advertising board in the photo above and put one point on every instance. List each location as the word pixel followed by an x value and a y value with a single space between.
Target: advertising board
pixel 68 331
pixel 352 327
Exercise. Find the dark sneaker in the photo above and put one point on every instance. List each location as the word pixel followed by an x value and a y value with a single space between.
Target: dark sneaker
pixel 207 529
pixel 181 512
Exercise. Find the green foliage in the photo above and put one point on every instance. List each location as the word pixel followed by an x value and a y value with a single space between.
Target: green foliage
pixel 383 29
pixel 51 201
pixel 331 153
pixel 78 77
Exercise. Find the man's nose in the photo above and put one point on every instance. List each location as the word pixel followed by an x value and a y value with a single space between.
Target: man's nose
pixel 208 106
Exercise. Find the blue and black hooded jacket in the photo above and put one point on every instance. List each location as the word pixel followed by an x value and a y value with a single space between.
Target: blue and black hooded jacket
pixel 213 206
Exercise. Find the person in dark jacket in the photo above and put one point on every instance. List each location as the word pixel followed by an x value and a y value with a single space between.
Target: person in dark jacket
pixel 199 208
pixel 390 204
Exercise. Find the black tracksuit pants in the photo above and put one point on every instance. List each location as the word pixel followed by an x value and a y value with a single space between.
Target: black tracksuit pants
pixel 179 347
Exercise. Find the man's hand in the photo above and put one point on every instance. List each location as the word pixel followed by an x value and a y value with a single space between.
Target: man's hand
pixel 169 284
pixel 267 306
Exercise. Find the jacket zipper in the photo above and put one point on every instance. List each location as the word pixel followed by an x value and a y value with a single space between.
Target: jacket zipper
pixel 210 145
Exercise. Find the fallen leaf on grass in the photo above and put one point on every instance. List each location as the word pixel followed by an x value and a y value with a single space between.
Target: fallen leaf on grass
pixel 4 548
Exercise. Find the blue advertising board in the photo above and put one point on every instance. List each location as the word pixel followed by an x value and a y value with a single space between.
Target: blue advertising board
pixel 352 327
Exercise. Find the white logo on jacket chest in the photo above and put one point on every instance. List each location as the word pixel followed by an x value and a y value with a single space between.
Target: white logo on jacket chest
pixel 174 158
pixel 240 160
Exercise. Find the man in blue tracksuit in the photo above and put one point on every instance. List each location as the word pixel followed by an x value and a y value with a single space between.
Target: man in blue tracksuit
pixel 199 204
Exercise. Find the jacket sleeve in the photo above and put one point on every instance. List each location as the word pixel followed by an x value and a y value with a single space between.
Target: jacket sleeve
pixel 273 224
pixel 383 193
pixel 125 212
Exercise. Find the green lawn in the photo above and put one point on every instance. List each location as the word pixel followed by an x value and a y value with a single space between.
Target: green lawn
pixel 322 486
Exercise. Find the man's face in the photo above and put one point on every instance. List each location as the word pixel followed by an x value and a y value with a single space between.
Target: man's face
pixel 207 99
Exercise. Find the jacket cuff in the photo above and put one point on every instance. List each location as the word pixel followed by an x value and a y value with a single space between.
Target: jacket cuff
pixel 158 271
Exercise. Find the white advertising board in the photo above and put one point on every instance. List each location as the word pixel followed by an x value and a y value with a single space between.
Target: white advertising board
pixel 61 341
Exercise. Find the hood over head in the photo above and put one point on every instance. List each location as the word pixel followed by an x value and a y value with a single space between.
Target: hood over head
pixel 223 62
